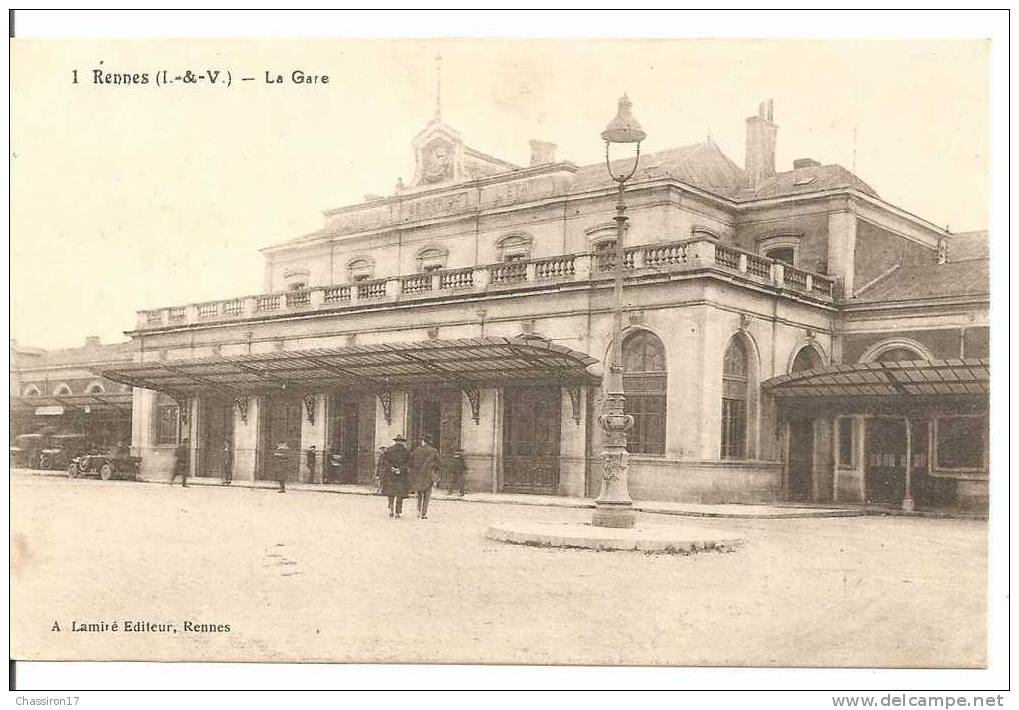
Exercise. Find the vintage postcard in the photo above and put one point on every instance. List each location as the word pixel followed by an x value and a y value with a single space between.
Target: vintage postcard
pixel 501 351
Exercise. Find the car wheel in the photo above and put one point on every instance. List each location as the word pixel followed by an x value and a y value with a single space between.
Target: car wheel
pixel 72 471
pixel 106 472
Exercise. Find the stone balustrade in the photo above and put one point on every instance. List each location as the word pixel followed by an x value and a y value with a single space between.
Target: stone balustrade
pixel 688 255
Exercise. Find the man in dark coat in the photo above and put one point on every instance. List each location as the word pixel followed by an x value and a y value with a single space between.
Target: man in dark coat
pixel 424 466
pixel 182 462
pixel 228 462
pixel 394 474
pixel 458 473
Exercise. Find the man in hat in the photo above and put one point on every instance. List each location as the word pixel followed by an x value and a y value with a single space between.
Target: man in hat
pixel 424 467
pixel 458 473
pixel 394 474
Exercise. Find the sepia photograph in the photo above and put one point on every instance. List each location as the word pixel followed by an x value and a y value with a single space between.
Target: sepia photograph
pixel 461 350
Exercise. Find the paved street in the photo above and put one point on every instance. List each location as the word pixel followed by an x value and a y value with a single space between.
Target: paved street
pixel 313 576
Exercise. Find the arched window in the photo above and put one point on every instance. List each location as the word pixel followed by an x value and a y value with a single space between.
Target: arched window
pixel 515 247
pixel 806 359
pixel 898 354
pixel 32 391
pixel 96 388
pixel 605 254
pixel 360 270
pixel 735 397
pixel 644 380
pixel 62 390
pixel 431 259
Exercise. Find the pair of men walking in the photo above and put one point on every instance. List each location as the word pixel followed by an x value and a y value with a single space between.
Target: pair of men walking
pixel 401 471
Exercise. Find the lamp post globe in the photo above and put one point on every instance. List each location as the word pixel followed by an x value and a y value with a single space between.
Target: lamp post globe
pixel 613 506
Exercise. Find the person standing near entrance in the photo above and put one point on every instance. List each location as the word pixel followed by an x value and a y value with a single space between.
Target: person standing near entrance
pixel 424 465
pixel 458 473
pixel 182 462
pixel 394 474
pixel 282 456
pixel 228 463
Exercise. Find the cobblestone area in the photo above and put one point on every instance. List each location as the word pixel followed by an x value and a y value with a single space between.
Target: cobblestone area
pixel 305 576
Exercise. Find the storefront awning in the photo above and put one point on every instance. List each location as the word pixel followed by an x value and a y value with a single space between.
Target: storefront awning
pixel 64 403
pixel 468 362
pixel 918 378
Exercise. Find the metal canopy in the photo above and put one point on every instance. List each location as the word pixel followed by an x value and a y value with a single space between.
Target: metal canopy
pixel 94 402
pixel 915 378
pixel 466 362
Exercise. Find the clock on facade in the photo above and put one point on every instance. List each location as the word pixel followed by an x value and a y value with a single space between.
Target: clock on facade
pixel 438 162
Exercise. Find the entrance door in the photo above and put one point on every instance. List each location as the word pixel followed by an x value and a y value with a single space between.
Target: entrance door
pixel 280 423
pixel 436 415
pixel 343 461
pixel 801 459
pixel 885 473
pixel 217 427
pixel 532 420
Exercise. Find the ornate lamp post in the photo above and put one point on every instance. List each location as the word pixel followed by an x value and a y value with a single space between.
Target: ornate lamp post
pixel 614 507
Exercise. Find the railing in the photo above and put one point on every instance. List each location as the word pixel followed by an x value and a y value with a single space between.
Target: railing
pixel 461 278
pixel 692 254
pixel 332 294
pixel 416 283
pixel 267 303
pixel 796 279
pixel 726 256
pixel 298 298
pixel 208 310
pixel 665 255
pixel 559 267
pixel 371 289
pixel 508 273
pixel 758 266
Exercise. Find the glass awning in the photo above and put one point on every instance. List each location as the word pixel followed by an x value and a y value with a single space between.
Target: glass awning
pixel 915 378
pixel 466 362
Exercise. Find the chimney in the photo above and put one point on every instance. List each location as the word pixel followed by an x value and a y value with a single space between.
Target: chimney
pixel 542 152
pixel 805 163
pixel 92 341
pixel 761 132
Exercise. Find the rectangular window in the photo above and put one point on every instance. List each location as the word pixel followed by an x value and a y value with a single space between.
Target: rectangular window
pixel 734 428
pixel 167 420
pixel 648 433
pixel 959 442
pixel 847 442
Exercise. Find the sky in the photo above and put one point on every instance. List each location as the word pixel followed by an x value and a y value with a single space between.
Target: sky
pixel 125 197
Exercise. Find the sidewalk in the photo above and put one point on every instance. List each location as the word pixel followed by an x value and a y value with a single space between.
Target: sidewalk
pixel 730 510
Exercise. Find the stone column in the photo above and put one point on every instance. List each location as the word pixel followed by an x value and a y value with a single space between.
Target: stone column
pixel 842 242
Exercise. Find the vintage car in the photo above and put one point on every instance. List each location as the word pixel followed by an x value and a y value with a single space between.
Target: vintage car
pixel 27 449
pixel 106 465
pixel 62 448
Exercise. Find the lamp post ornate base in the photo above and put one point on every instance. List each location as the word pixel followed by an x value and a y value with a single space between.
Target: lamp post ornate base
pixel 613 506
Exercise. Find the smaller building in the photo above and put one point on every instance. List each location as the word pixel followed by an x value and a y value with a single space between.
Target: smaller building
pixel 61 392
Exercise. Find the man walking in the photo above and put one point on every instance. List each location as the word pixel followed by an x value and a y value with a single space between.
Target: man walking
pixel 394 474
pixel 424 466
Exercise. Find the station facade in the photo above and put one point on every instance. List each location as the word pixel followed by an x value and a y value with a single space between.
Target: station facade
pixel 473 307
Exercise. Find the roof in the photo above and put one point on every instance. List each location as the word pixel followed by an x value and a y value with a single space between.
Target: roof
pixel 886 379
pixel 910 283
pixel 701 165
pixel 819 178
pixel 86 354
pixel 464 362
pixel 969 245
